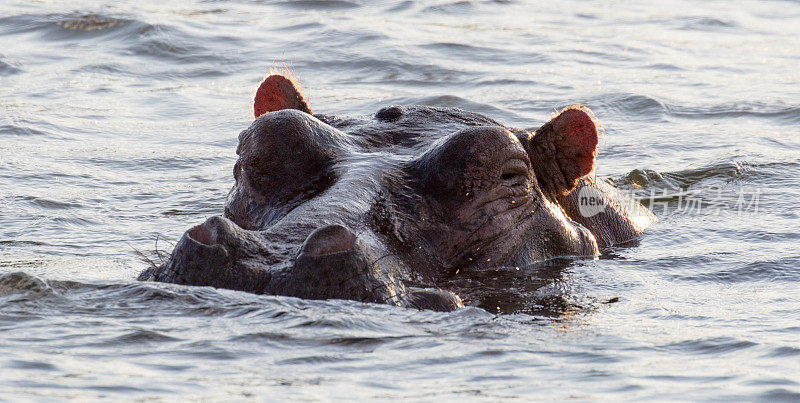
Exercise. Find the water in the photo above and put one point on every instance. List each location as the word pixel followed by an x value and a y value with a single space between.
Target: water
pixel 118 128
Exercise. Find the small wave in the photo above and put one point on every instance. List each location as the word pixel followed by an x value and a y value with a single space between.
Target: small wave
pixel 695 23
pixel 704 24
pixel 719 345
pixel 780 395
pixel 21 127
pixel 104 68
pixel 135 71
pixel 171 43
pixel 32 365
pixel 15 242
pixel 486 55
pixel 141 336
pixel 88 23
pixel 136 37
pixel 55 297
pixel 263 336
pixel 495 82
pixel 780 269
pixel 361 342
pixel 211 11
pixel 647 108
pixel 402 70
pixel 624 105
pixel 723 170
pixel 664 66
pixel 401 6
pixel 146 293
pixel 587 357
pixel 19 282
pixel 168 163
pixel 168 43
pixel 49 204
pixel 7 69
pixel 786 114
pixel 66 26
pixel 314 360
pixel 719 182
pixel 771 172
pixel 452 7
pixel 715 173
pixel 592 56
pixel 320 4
pixel 306 26
pixel 784 352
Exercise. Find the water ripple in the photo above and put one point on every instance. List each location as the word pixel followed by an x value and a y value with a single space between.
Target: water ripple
pixel 7 69
pixel 320 4
pixel 720 345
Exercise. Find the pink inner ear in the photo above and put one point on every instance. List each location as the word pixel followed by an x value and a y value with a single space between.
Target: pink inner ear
pixel 275 93
pixel 580 135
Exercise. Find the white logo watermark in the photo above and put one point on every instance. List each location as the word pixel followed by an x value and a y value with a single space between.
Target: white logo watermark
pixel 591 201
pixel 709 200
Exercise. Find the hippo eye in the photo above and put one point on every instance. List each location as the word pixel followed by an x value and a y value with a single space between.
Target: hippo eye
pixel 514 172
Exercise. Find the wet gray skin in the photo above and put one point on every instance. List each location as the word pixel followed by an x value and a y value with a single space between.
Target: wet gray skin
pixel 409 207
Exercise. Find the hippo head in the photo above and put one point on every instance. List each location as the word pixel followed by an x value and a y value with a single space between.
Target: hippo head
pixel 385 208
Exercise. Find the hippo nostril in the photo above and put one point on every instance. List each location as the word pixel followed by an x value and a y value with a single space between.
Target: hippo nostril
pixel 328 240
pixel 201 234
pixel 217 230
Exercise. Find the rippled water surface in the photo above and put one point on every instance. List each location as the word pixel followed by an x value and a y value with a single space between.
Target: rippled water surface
pixel 118 127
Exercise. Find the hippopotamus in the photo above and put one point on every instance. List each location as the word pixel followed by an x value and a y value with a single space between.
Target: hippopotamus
pixel 399 207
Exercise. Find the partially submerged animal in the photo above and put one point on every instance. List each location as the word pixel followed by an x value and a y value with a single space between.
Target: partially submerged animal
pixel 392 207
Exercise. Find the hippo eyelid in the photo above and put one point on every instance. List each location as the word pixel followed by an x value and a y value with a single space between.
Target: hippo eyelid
pixel 514 169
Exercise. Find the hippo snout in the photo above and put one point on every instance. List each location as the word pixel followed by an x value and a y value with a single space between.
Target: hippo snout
pixel 216 230
pixel 334 263
pixel 215 253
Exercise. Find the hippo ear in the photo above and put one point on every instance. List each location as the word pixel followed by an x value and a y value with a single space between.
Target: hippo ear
pixel 277 92
pixel 563 150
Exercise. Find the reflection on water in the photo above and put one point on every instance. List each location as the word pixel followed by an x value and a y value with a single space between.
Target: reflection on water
pixel 118 125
